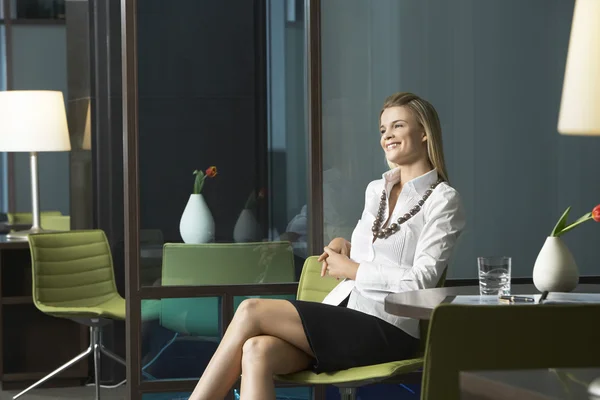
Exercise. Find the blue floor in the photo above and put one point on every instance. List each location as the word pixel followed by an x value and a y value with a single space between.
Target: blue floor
pixel 372 392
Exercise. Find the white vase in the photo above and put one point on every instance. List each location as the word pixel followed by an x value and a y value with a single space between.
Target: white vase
pixel 197 224
pixel 247 228
pixel 555 269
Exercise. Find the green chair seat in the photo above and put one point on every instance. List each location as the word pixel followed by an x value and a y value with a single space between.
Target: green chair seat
pixel 114 308
pixel 358 376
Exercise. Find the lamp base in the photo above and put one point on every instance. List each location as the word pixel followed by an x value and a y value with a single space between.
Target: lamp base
pixel 22 235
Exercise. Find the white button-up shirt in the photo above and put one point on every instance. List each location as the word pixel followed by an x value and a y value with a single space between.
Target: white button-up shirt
pixel 412 258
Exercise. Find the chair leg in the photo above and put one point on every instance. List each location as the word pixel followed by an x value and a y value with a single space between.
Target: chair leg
pixel 59 370
pixel 348 393
pixel 96 341
pixel 112 355
pixel 118 359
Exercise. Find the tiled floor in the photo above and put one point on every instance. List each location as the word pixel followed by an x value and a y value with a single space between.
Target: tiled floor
pixel 81 393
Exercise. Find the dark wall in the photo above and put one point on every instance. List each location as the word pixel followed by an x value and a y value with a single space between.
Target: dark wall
pixel 201 103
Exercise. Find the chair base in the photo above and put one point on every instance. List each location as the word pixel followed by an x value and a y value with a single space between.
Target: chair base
pixel 96 347
pixel 348 393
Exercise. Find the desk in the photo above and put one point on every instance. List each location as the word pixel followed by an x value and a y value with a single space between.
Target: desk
pixel 419 304
pixel 526 384
pixel 5 227
pixel 32 344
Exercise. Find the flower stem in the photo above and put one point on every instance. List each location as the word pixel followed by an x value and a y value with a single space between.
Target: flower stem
pixel 580 221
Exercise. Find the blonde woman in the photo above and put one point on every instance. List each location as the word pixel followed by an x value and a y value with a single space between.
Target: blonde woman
pixel 403 241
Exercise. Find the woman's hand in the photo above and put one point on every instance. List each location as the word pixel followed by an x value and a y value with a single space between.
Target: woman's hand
pixel 338 245
pixel 339 266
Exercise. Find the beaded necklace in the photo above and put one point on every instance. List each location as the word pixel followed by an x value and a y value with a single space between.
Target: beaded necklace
pixel 384 233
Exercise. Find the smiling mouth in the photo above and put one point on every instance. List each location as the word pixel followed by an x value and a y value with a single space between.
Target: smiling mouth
pixel 392 146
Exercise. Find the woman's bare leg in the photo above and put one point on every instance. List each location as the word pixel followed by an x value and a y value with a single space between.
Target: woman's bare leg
pixel 263 357
pixel 254 317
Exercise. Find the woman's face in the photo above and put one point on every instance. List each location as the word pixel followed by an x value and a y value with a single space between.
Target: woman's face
pixel 403 139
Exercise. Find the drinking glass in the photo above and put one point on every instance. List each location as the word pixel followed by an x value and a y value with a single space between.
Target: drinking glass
pixel 494 275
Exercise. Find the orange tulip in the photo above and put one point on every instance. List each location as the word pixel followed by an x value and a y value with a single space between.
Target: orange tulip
pixel 211 172
pixel 596 213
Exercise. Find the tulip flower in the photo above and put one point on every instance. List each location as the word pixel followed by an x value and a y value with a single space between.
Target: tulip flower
pixel 562 227
pixel 211 172
pixel 596 213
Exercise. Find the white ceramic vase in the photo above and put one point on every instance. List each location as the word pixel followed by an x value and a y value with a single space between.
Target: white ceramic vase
pixel 555 269
pixel 197 224
pixel 247 228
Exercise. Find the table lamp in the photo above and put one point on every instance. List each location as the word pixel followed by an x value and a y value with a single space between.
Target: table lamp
pixel 33 121
pixel 580 102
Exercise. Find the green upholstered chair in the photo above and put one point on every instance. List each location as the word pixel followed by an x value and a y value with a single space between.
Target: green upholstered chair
pixel 27 217
pixel 216 264
pixel 56 222
pixel 49 220
pixel 463 338
pixel 73 278
pixel 198 318
pixel 313 287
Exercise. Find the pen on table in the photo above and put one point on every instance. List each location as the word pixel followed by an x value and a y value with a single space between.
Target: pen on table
pixel 516 299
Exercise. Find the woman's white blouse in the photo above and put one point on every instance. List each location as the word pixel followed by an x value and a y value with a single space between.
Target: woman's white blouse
pixel 412 258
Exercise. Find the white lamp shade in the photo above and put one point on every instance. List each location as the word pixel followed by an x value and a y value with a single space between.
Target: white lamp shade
pixel 580 102
pixel 33 120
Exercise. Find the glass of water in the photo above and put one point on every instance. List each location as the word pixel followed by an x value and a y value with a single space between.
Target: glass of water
pixel 494 275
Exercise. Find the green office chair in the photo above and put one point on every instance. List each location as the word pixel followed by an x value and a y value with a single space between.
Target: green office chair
pixel 24 218
pixel 463 338
pixel 313 287
pixel 198 318
pixel 56 222
pixel 73 278
pixel 216 264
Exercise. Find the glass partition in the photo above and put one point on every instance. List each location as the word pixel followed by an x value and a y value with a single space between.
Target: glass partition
pixel 3 156
pixel 222 155
pixel 497 93
pixel 38 9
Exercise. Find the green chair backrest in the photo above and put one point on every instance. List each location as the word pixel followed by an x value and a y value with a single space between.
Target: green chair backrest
pixel 505 337
pixel 27 217
pixel 217 264
pixel 56 222
pixel 424 324
pixel 313 287
pixel 72 269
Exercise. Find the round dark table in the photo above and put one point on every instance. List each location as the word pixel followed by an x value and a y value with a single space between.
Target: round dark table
pixel 419 304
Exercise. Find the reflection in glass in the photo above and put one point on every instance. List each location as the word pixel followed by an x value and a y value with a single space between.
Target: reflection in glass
pixel 227 263
pixel 40 9
pixel 3 156
pixel 295 393
pixel 179 336
pixel 166 396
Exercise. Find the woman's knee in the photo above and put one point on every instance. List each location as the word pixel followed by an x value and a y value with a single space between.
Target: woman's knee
pixel 258 350
pixel 248 308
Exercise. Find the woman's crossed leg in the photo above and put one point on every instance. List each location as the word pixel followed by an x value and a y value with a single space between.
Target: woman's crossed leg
pixel 264 338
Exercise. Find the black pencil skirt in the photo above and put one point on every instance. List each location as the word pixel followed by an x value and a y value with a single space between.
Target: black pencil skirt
pixel 343 338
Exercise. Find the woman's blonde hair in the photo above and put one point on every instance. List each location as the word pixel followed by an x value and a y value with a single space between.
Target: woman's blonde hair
pixel 425 115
